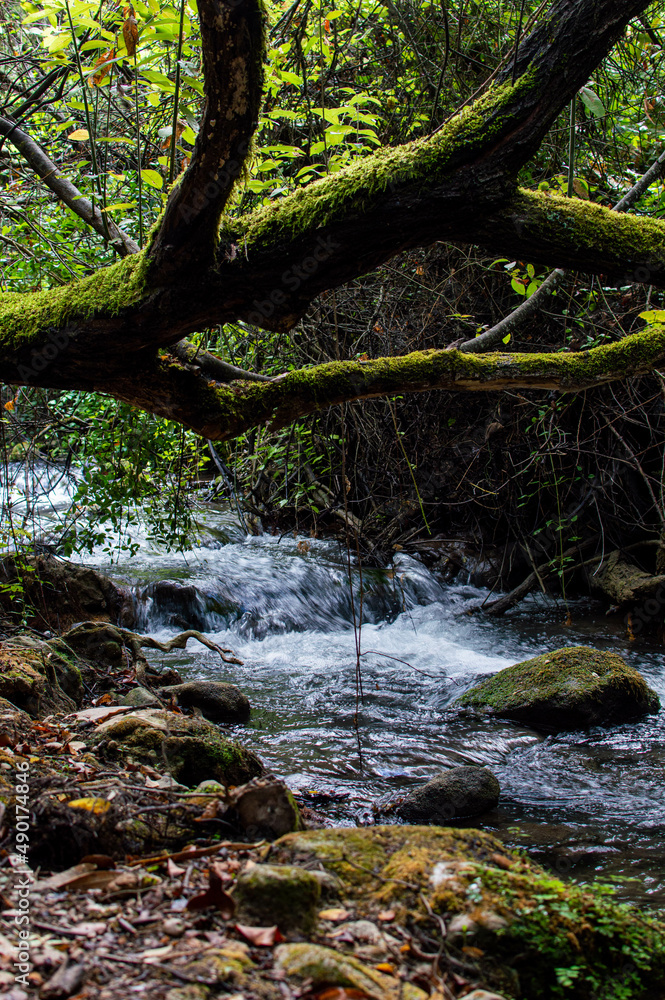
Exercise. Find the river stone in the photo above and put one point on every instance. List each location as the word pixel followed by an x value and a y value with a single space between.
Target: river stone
pixel 192 749
pixel 453 794
pixel 218 702
pixel 324 967
pixel 278 894
pixel 265 807
pixel 570 688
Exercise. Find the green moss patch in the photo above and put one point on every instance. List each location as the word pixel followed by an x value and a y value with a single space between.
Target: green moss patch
pixel 530 936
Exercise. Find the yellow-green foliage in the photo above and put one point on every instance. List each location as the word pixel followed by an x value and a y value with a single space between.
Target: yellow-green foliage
pixel 355 188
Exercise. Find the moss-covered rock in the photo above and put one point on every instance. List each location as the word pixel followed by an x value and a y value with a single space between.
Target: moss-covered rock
pixel 29 678
pixel 325 967
pixel 570 688
pixel 265 807
pixel 58 665
pixel 190 749
pixel 534 937
pixel 453 794
pixel 218 702
pixel 227 965
pixel 278 894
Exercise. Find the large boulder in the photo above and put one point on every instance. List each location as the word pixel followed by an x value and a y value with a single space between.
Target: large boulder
pixel 454 794
pixel 570 688
pixel 218 702
pixel 192 749
pixel 60 592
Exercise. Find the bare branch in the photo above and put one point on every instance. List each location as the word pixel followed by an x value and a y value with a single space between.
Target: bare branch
pixel 37 159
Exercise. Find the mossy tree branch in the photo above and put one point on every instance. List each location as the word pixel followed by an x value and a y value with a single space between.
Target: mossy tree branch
pixel 221 412
pixel 233 46
pixel 458 184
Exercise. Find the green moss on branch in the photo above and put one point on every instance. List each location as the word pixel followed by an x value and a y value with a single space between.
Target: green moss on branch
pixel 25 316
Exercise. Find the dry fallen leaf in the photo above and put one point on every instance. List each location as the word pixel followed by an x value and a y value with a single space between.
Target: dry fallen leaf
pixel 103 67
pixel 103 711
pixel 61 879
pixel 386 915
pixel 214 895
pixel 93 880
pixel 264 937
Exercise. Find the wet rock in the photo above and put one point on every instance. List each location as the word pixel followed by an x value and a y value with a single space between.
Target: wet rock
pixel 217 702
pixel 570 688
pixel 325 967
pixel 625 583
pixel 453 794
pixel 183 605
pixel 62 592
pixel 192 749
pixel 278 894
pixel 265 807
pixel 138 697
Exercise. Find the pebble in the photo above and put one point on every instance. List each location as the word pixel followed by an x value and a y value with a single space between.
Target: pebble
pixel 174 927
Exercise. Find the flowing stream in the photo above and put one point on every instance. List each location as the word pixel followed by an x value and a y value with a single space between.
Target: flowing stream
pixel 586 803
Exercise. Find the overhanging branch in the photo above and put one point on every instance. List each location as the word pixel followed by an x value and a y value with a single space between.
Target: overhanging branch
pixel 68 193
pixel 221 412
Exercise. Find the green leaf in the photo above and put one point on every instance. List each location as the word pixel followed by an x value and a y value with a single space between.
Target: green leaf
pixel 152 178
pixel 653 316
pixel 506 339
pixel 592 101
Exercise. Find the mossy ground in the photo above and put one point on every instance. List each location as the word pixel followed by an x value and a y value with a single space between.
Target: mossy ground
pixel 538 937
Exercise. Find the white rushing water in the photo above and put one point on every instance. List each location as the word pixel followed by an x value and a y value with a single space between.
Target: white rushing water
pixel 594 800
